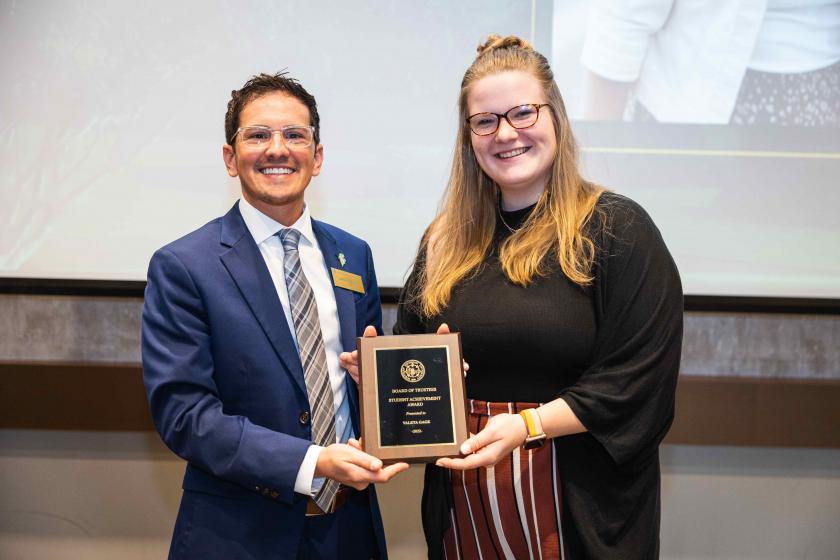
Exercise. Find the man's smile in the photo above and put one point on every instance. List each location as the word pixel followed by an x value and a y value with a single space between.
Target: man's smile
pixel 276 170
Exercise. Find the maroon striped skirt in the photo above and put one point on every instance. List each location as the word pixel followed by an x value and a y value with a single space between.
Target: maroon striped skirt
pixel 510 510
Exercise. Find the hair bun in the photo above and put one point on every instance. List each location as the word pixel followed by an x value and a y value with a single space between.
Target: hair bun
pixel 494 42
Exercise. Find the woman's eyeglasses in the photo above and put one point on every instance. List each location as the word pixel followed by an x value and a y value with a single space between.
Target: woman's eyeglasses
pixel 521 116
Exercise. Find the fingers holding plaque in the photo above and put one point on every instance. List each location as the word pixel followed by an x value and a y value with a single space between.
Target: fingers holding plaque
pixel 413 404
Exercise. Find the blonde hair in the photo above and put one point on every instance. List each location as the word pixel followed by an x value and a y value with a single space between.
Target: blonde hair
pixel 459 238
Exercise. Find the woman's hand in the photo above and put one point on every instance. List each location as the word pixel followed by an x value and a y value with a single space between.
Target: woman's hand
pixel 444 329
pixel 502 434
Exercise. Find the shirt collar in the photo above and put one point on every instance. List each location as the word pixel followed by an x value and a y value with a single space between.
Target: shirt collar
pixel 263 228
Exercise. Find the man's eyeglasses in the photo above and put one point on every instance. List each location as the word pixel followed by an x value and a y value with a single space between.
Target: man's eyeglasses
pixel 293 135
pixel 521 116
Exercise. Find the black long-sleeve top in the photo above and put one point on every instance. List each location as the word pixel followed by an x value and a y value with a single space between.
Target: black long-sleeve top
pixel 611 350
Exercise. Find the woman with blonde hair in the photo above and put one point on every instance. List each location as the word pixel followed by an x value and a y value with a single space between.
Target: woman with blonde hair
pixel 570 311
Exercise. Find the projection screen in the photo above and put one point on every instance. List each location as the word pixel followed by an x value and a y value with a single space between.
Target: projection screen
pixel 111 126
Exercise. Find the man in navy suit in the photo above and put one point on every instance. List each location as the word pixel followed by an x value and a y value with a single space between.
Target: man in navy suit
pixel 239 384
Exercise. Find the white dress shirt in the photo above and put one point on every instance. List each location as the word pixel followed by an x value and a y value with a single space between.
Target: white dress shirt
pixel 688 57
pixel 797 36
pixel 263 229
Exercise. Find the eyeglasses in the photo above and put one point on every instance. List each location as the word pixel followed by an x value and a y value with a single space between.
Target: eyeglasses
pixel 293 135
pixel 521 116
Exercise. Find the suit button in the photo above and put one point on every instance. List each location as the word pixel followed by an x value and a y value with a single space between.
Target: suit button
pixel 304 418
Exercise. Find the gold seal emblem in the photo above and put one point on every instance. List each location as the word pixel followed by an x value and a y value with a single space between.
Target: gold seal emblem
pixel 412 371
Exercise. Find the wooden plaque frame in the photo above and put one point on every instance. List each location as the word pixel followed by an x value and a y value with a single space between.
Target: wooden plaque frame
pixel 412 395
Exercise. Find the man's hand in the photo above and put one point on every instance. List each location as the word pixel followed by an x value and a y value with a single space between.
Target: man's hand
pixel 351 466
pixel 502 434
pixel 350 360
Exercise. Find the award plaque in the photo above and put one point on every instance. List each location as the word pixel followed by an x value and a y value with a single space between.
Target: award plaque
pixel 413 403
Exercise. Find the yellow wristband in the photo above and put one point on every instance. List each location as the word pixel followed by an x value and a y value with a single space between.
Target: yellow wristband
pixel 530 425
pixel 535 437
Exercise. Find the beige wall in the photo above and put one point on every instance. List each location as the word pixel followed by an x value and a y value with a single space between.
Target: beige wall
pixel 92 495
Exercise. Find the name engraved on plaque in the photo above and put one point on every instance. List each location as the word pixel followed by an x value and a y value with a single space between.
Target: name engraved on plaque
pixel 414 398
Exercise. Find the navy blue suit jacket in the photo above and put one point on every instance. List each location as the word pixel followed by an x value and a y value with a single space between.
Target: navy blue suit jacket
pixel 226 388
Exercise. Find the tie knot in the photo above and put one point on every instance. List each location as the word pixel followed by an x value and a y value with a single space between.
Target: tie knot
pixel 290 238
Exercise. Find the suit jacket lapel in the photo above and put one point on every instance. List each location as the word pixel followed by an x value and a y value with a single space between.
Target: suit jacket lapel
pixel 344 300
pixel 346 305
pixel 245 264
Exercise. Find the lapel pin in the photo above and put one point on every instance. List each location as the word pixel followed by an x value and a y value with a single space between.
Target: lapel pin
pixel 341 259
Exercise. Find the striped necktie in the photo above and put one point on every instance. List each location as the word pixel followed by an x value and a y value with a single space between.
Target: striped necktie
pixel 313 357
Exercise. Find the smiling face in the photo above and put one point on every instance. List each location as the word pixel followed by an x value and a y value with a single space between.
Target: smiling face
pixel 274 177
pixel 518 160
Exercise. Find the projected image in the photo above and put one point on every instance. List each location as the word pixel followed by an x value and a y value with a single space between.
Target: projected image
pixel 759 62
pixel 719 117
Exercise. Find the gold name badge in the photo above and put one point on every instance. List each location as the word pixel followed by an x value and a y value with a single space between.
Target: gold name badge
pixel 347 280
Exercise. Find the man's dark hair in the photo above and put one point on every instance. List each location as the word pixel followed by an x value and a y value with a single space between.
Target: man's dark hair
pixel 263 84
